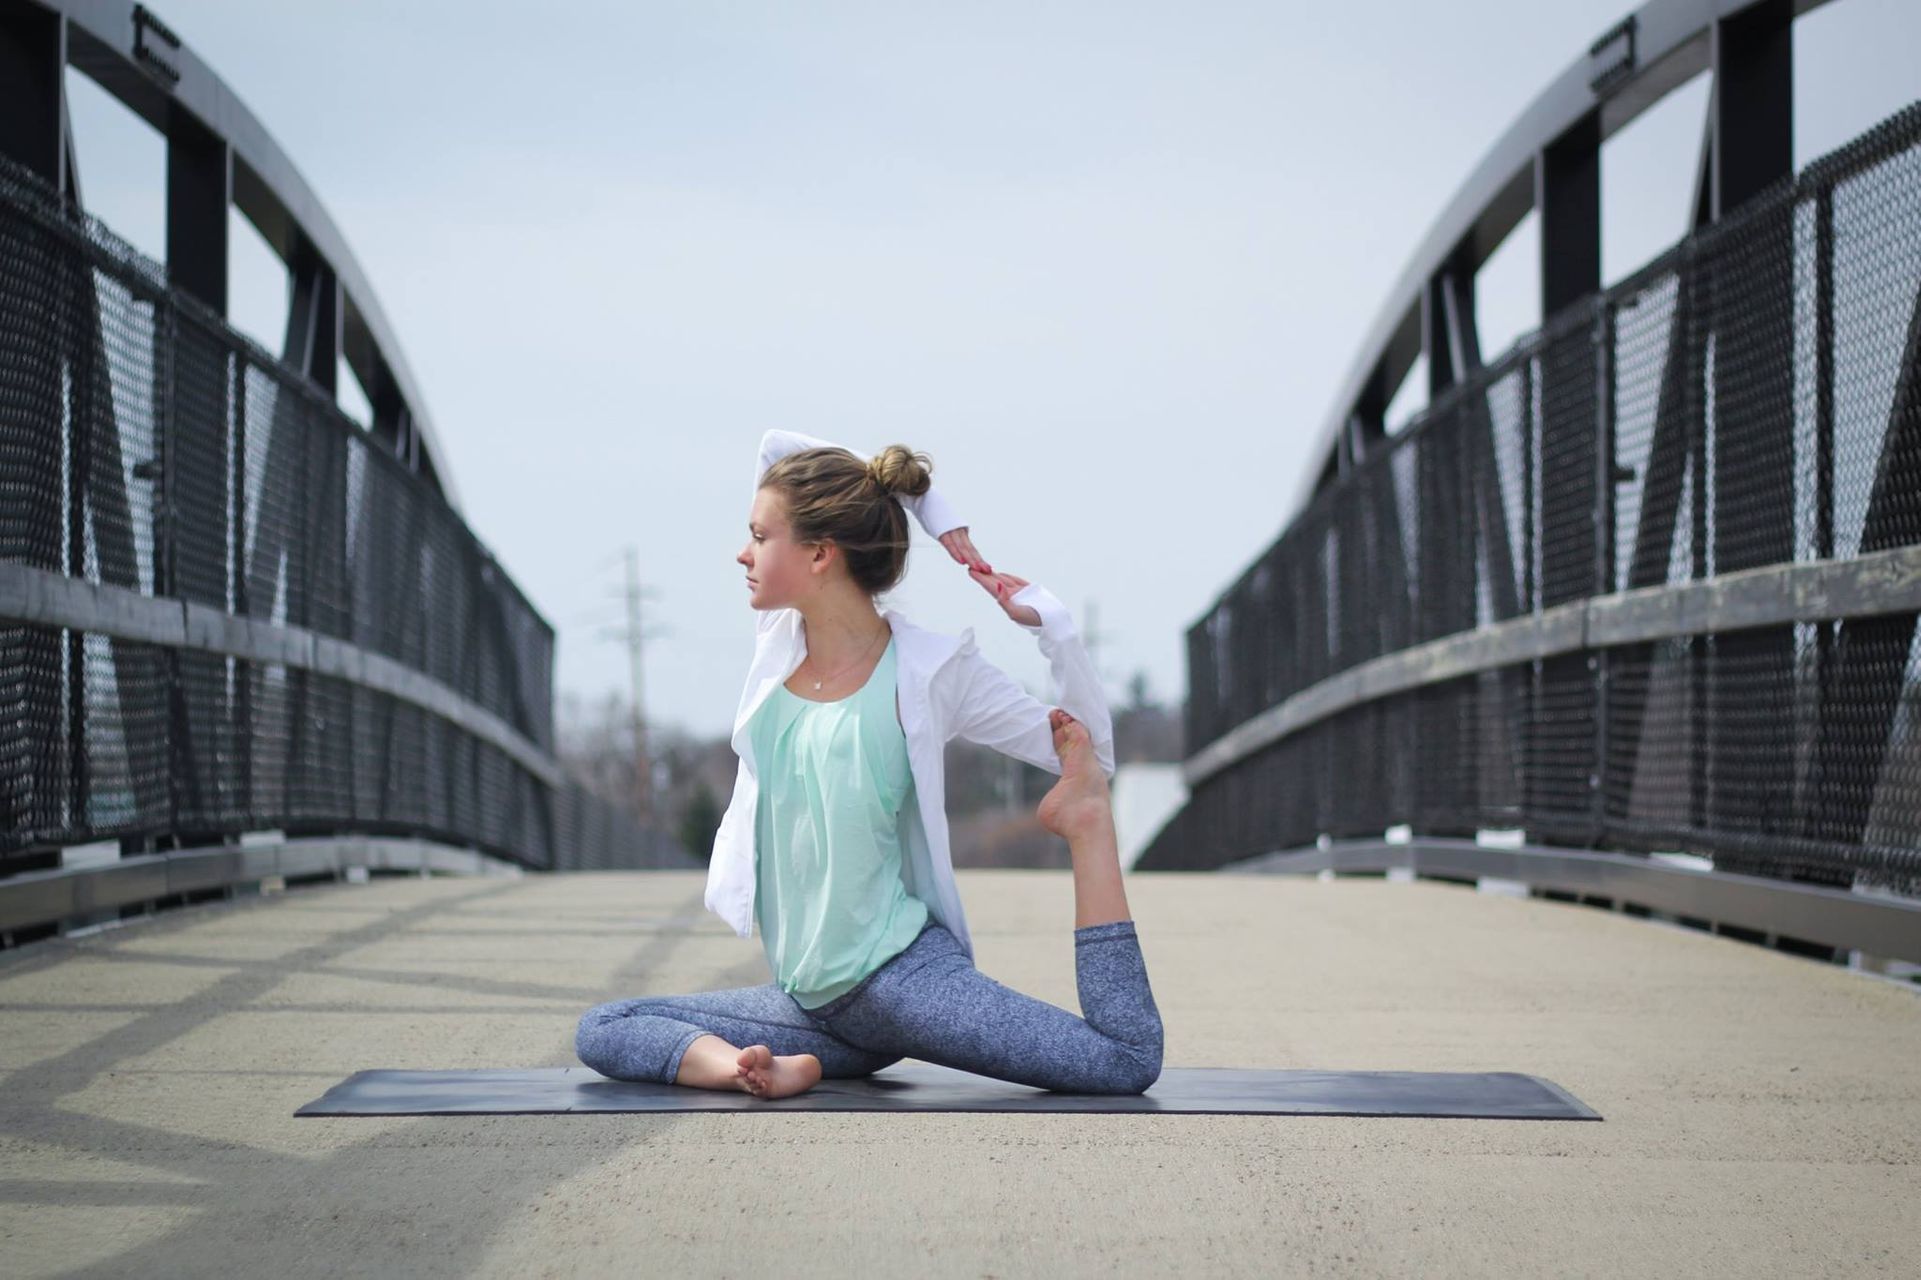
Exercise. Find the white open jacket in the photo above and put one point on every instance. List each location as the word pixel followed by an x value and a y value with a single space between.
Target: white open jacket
pixel 947 690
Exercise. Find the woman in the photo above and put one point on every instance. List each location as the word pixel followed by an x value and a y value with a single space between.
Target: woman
pixel 835 841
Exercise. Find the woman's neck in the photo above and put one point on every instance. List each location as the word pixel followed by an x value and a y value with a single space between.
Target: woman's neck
pixel 840 631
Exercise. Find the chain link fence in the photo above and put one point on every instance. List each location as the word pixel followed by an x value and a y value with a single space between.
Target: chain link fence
pixel 1750 400
pixel 152 456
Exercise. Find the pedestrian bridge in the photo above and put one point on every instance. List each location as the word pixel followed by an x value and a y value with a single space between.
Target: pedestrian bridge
pixel 1642 593
pixel 1761 1112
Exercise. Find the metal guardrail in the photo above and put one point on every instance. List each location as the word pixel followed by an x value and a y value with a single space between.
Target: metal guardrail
pixel 225 607
pixel 45 599
pixel 1881 583
pixel 1649 581
pixel 1885 927
pixel 35 898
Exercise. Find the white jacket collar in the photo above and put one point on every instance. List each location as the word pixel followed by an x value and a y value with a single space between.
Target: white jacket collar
pixel 918 650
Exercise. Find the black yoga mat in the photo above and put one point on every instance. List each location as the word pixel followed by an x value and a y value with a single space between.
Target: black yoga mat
pixel 1493 1095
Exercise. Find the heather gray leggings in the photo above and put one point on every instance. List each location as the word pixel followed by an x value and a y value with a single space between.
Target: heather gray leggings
pixel 928 1002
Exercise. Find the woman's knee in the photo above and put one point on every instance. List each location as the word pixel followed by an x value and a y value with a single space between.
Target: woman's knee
pixel 1130 1073
pixel 1147 1072
pixel 1138 1067
pixel 593 1036
pixel 587 1040
pixel 593 1023
pixel 595 1018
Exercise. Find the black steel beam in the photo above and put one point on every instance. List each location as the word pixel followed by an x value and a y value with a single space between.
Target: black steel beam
pixel 1751 107
pixel 1701 203
pixel 391 425
pixel 48 775
pixel 312 346
pixel 1567 192
pixel 1456 287
pixel 1442 362
pixel 33 57
pixel 1750 767
pixel 1567 180
pixel 199 191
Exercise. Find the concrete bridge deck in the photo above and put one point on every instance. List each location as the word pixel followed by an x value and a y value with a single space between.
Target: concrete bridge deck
pixel 1763 1112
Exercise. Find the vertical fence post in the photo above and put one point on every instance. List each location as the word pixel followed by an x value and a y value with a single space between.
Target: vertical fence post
pixel 166 567
pixel 243 669
pixel 1697 303
pixel 1814 808
pixel 81 352
pixel 1529 739
pixel 1603 331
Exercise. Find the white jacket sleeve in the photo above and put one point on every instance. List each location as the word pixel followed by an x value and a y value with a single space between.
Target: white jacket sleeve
pixel 932 509
pixel 993 710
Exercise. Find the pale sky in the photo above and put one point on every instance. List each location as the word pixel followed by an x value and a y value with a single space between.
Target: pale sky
pixel 1106 263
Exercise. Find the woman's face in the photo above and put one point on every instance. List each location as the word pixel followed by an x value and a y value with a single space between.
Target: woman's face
pixel 778 572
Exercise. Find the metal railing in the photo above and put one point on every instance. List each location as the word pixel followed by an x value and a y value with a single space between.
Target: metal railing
pixel 1648 582
pixel 225 607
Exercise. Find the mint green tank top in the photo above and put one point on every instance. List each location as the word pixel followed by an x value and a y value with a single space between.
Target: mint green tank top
pixel 834 781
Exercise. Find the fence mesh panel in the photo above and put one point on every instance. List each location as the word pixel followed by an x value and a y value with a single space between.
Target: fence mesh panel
pixel 145 445
pixel 1752 398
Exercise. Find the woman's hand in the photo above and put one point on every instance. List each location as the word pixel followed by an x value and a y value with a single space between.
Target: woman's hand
pixel 999 585
pixel 1002 587
pixel 961 547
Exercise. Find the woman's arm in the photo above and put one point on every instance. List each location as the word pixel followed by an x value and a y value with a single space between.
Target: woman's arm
pixel 935 513
pixel 994 711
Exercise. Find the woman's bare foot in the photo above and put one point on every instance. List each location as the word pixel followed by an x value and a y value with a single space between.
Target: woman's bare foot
pixel 765 1076
pixel 1078 804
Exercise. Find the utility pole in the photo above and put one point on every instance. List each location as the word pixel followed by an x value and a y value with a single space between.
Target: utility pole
pixel 636 637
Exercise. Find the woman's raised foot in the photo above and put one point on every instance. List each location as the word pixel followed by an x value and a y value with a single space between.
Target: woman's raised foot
pixel 1078 804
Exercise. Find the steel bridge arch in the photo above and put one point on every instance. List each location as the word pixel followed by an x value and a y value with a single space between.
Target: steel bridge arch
pixel 1548 161
pixel 1485 619
pixel 218 153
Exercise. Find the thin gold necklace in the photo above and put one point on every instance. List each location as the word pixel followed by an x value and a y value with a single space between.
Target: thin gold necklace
pixel 863 653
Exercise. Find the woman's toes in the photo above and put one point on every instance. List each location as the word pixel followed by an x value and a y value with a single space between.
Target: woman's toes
pixel 751 1067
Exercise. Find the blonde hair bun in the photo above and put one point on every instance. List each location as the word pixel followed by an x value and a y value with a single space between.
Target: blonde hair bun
pixel 898 469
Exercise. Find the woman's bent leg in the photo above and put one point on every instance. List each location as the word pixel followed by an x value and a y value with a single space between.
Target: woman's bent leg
pixel 645 1037
pixel 946 1011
